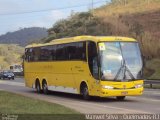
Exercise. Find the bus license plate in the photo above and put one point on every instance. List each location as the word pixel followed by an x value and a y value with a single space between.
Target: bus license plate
pixel 124 93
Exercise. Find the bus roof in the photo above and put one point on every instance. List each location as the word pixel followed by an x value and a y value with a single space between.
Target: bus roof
pixel 84 38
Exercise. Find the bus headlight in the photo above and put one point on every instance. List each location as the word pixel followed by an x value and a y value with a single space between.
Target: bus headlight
pixel 138 86
pixel 107 87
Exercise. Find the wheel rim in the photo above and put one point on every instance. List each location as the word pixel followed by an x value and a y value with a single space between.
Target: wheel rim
pixel 85 91
pixel 45 88
pixel 38 88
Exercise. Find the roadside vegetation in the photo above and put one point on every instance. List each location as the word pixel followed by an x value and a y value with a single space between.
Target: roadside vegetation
pixel 10 54
pixel 153 66
pixel 139 19
pixel 28 108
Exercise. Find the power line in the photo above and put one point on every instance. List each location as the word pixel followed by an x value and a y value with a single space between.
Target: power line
pixel 52 9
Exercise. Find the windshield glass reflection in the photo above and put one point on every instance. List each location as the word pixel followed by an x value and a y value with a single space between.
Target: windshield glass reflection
pixel 120 60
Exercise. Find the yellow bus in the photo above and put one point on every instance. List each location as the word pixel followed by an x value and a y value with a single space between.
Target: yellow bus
pixel 86 65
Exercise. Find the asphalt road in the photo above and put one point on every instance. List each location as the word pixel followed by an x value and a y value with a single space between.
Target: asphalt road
pixel 148 103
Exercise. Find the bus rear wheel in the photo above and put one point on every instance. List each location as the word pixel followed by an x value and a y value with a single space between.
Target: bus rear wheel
pixel 45 87
pixel 38 87
pixel 85 92
pixel 120 97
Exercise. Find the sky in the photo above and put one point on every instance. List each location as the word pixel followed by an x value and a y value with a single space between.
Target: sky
pixel 18 14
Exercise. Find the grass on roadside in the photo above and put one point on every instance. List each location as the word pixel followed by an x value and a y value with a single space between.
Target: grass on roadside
pixel 154 65
pixel 33 109
pixel 15 104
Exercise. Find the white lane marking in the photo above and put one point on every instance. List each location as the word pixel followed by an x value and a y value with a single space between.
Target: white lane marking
pixel 152 92
pixel 119 108
pixel 132 110
pixel 149 89
pixel 146 99
pixel 99 106
pixel 109 107
pixel 12 83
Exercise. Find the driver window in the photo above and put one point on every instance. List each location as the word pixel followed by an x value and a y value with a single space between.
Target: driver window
pixel 92 59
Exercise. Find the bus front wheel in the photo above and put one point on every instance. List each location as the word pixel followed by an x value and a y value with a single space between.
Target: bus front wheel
pixel 84 92
pixel 45 87
pixel 120 97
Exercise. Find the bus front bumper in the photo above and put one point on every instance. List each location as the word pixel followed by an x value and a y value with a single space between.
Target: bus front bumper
pixel 121 92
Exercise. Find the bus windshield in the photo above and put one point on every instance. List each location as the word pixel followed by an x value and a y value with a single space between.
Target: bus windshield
pixel 120 61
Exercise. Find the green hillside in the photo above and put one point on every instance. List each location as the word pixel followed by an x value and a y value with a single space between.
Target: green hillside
pixel 10 54
pixel 139 19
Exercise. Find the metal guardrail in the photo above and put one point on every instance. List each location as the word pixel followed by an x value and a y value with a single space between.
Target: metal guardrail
pixel 151 82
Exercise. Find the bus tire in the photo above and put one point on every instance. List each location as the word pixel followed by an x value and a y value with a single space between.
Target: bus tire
pixel 38 86
pixel 45 87
pixel 84 92
pixel 120 98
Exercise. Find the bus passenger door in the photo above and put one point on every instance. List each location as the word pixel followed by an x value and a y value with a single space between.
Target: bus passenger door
pixel 93 67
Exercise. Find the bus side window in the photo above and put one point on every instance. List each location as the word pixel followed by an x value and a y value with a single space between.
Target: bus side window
pixel 53 52
pixel 66 51
pixel 37 53
pixel 82 50
pixel 46 53
pixel 71 51
pixel 31 55
pixel 77 51
pixel 26 55
pixel 61 52
pixel 92 59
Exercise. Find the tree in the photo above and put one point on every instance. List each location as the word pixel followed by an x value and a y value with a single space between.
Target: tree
pixel 137 29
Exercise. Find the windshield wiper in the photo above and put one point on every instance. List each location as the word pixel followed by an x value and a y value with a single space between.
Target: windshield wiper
pixel 130 74
pixel 125 68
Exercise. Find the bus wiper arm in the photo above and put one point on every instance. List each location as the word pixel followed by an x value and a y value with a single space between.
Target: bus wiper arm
pixel 124 66
pixel 130 74
pixel 119 71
